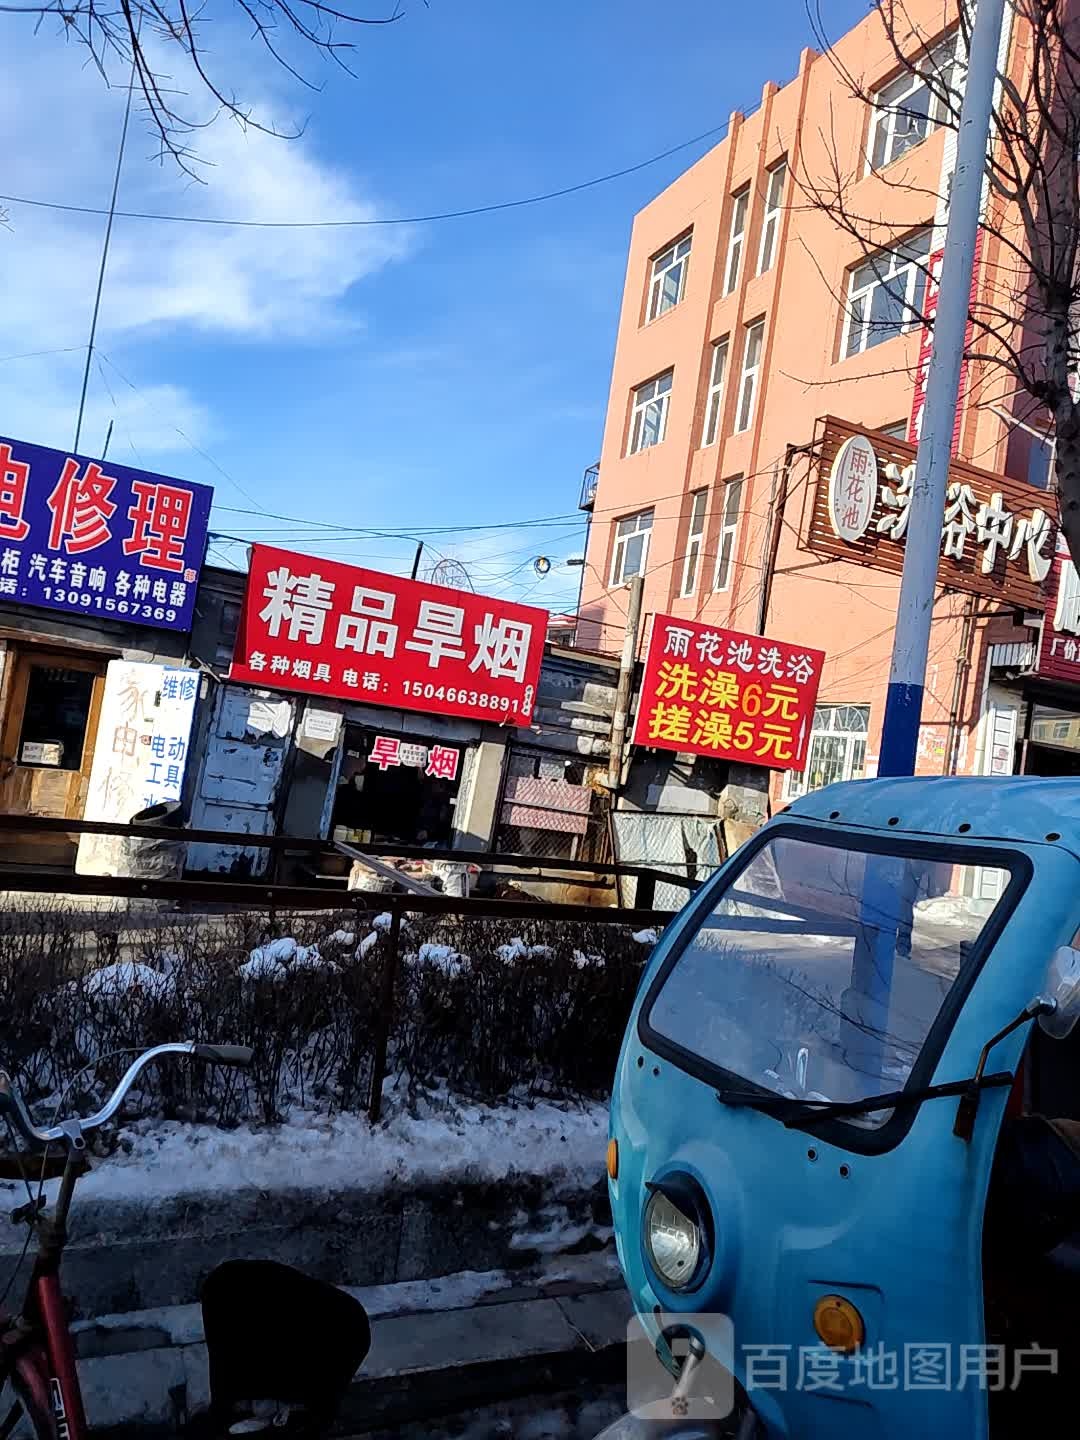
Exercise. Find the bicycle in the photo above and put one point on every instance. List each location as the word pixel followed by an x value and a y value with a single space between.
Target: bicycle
pixel 37 1352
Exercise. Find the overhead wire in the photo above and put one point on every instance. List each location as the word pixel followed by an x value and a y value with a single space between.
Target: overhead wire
pixel 714 132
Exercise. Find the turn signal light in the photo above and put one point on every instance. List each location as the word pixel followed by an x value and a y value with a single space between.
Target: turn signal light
pixel 613 1159
pixel 838 1324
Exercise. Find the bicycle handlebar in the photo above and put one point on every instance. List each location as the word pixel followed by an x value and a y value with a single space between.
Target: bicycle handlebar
pixel 14 1106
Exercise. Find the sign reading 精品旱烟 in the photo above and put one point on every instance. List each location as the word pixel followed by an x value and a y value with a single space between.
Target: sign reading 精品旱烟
pixel 709 691
pixel 997 534
pixel 326 628
pixel 99 539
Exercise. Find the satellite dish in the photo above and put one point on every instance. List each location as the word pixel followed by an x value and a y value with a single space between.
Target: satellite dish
pixel 452 574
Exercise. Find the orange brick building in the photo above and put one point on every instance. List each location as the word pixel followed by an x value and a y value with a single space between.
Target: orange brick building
pixel 748 317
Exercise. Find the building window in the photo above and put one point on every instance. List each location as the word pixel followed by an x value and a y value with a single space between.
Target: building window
pixel 631 546
pixel 739 206
pixel 770 225
pixel 648 419
pixel 714 401
pixel 885 295
pixel 729 525
pixel 837 749
pixel 909 107
pixel 897 431
pixel 695 535
pixel 668 279
pixel 755 335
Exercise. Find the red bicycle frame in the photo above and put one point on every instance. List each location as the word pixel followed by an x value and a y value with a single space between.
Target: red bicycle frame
pixel 39 1343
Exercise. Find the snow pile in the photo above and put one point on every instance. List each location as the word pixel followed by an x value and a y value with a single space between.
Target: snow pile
pixel 459 1143
pixel 367 943
pixel 276 958
pixel 126 978
pixel 345 939
pixel 587 962
pixel 645 937
pixel 442 957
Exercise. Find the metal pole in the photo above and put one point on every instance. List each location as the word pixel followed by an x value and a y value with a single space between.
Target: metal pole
pixel 626 681
pixel 416 560
pixel 911 642
pixel 105 254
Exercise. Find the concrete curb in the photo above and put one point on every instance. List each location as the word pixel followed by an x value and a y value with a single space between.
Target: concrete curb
pixel 147 1372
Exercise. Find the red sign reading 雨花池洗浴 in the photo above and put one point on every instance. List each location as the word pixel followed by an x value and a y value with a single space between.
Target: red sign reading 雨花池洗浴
pixel 718 692
pixel 326 628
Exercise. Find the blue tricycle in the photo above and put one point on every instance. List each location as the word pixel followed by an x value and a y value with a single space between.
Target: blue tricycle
pixel 844 1161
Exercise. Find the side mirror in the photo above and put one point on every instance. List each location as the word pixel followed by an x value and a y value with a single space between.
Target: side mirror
pixel 1059 1004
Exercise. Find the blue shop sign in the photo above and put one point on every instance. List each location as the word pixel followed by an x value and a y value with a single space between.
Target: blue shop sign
pixel 100 539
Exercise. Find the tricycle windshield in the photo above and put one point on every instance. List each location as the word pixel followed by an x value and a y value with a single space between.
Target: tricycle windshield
pixel 822 968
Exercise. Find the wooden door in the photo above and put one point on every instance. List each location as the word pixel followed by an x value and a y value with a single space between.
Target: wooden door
pixel 47 744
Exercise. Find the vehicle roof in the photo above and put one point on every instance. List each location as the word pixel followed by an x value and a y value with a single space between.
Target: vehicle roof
pixel 1026 808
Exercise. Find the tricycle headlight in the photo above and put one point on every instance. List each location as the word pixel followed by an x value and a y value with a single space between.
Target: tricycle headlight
pixel 672 1241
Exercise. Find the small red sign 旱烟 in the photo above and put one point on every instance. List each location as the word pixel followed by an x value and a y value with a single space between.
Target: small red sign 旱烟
pixel 326 628
pixel 708 691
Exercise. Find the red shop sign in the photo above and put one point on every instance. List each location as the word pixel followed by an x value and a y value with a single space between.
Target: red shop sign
pixel 1059 650
pixel 716 692
pixel 325 628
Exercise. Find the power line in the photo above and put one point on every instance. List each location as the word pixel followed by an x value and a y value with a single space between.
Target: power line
pixel 373 221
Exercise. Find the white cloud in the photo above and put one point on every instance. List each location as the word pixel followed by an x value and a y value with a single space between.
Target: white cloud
pixel 60 126
pixel 39 401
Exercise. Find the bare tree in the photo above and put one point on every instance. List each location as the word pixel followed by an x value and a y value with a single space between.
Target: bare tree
pixel 1024 336
pixel 140 36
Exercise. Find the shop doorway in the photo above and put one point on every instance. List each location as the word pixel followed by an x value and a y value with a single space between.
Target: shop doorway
pixel 1053 744
pixel 397 788
pixel 47 744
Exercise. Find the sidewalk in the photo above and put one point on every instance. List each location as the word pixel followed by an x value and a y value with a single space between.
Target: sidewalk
pixel 438 1347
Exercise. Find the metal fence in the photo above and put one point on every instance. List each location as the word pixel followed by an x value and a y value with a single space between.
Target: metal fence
pixel 432 1014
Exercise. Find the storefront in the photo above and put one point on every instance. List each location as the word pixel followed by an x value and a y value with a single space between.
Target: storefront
pixel 97 568
pixel 400 788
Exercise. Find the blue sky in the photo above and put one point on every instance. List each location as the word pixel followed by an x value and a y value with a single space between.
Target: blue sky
pixel 439 374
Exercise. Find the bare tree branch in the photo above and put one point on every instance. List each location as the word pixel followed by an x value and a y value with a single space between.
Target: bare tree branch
pixel 141 34
pixel 1022 330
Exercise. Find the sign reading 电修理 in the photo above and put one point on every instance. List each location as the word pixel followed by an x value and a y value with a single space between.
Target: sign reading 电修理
pixel 997 537
pixel 325 628
pixel 99 539
pixel 709 691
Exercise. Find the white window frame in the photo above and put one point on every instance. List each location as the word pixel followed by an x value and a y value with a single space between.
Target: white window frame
pixel 714 399
pixel 651 402
pixel 627 529
pixel 673 261
pixel 770 221
pixel 731 505
pixel 902 274
pixel 695 539
pixel 740 211
pixel 834 722
pixel 890 123
pixel 751 368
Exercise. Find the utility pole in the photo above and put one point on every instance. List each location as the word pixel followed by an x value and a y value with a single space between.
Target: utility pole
pixel 625 686
pixel 911 641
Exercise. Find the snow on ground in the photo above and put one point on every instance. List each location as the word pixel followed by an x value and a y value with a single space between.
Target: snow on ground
pixel 459 1142
pixel 112 981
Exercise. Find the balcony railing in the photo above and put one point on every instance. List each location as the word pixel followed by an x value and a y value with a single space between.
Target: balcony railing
pixel 589 483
